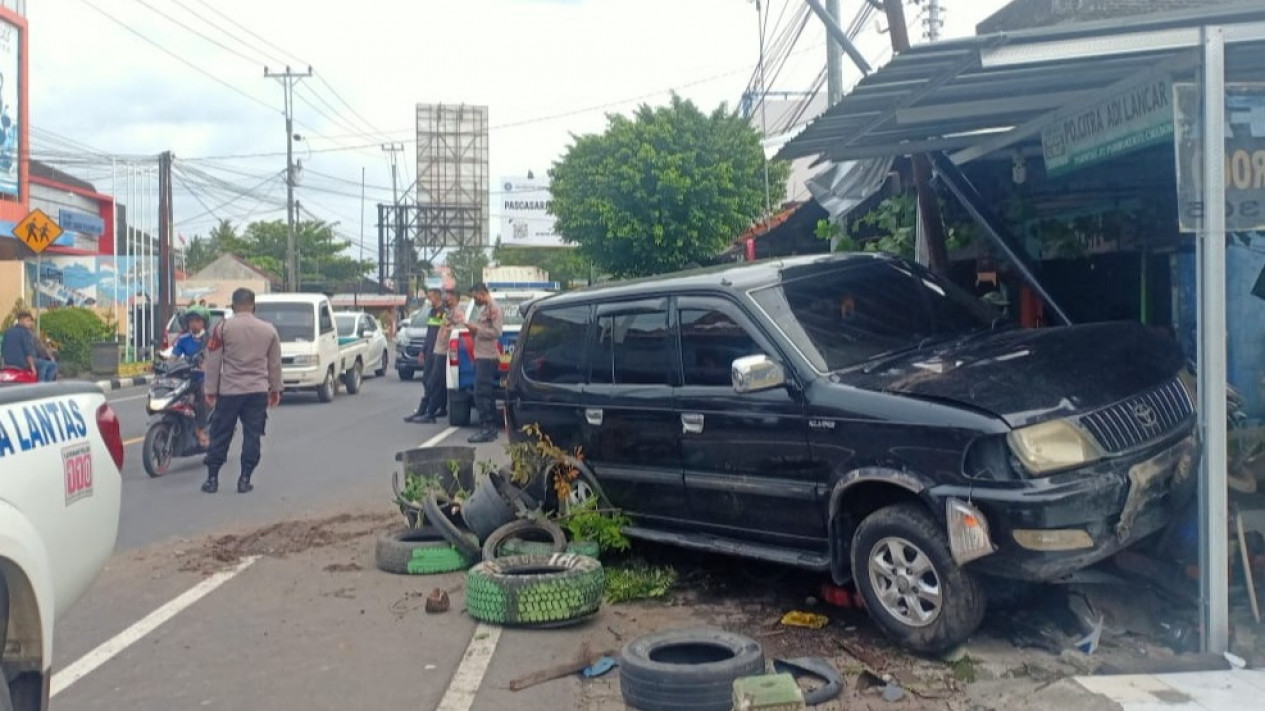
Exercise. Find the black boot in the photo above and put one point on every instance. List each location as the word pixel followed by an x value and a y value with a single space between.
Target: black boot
pixel 243 484
pixel 212 483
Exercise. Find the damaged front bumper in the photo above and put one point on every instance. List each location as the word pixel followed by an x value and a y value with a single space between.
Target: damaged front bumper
pixel 1045 529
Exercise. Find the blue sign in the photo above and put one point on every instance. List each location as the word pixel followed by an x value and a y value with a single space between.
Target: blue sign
pixel 72 221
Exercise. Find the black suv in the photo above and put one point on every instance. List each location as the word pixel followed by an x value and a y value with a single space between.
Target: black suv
pixel 858 415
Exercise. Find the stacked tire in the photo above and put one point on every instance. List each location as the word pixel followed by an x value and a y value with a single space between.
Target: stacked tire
pixel 418 551
pixel 535 590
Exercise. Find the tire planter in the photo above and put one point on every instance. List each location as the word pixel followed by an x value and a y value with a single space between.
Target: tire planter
pixel 515 530
pixel 465 542
pixel 517 546
pixel 535 590
pixel 434 462
pixel 686 670
pixel 489 507
pixel 417 551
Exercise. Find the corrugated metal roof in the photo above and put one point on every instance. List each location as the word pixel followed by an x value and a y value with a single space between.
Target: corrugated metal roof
pixel 959 93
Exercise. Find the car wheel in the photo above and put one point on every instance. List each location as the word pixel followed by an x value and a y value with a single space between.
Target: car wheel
pixel 405 374
pixel 535 590
pixel 458 408
pixel 354 378
pixel 382 365
pixel 524 530
pixel 417 551
pixel 325 393
pixel 686 669
pixel 156 452
pixel 584 488
pixel 913 590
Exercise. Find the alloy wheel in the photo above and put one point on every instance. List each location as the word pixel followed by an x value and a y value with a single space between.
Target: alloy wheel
pixel 905 582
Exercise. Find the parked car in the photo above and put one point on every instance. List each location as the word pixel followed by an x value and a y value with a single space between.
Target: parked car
pixel 857 415
pixel 61 451
pixel 410 339
pixel 311 357
pixel 362 332
pixel 461 352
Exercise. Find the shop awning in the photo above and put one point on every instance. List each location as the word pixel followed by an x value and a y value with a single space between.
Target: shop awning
pixel 972 96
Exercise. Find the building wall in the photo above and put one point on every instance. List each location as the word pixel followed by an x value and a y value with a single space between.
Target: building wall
pixel 12 286
pixel 1025 14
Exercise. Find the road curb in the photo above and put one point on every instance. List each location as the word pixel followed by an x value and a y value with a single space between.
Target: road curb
pixel 120 383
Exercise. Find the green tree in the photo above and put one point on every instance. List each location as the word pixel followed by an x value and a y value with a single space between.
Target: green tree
pixel 321 259
pixel 222 239
pixel 467 264
pixel 564 264
pixel 668 187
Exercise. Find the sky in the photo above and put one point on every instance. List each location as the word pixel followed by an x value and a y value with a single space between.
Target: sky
pixel 115 82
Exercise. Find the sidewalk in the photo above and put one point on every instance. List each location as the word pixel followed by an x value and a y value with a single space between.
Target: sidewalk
pixel 120 383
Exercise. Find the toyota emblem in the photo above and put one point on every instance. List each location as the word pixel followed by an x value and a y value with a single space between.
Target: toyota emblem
pixel 1145 415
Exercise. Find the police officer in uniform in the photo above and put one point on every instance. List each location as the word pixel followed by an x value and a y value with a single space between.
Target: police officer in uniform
pixel 243 380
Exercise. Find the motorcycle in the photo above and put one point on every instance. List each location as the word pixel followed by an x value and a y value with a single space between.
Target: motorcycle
pixel 172 407
pixel 17 376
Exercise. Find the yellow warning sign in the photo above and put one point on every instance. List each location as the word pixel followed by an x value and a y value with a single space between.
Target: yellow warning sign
pixel 37 230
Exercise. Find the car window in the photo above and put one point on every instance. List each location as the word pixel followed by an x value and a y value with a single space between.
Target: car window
pixel 418 319
pixel 327 321
pixel 550 345
pixel 346 324
pixel 632 349
pixel 711 340
pixel 295 323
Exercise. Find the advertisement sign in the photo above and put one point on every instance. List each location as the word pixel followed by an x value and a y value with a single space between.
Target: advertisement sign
pixel 9 108
pixel 1133 119
pixel 89 281
pixel 525 218
pixel 81 230
pixel 1244 156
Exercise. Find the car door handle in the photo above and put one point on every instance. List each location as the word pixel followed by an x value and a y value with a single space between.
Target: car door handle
pixel 691 423
pixel 593 416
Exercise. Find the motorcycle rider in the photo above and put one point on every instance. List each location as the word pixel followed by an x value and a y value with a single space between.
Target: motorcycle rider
pixel 189 345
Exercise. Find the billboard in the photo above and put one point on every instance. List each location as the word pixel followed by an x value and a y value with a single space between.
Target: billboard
pixel 525 218
pixel 10 106
pixel 1244 157
pixel 452 177
pixel 89 281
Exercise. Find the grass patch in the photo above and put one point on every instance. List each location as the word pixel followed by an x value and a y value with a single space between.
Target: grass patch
pixel 638 580
pixel 964 670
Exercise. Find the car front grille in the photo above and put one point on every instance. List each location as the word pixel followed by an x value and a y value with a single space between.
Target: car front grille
pixel 1142 419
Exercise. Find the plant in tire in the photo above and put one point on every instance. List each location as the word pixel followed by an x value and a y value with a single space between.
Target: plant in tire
pixel 913 589
pixel 535 589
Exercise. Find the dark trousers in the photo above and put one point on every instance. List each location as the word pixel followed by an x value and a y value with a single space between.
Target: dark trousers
pixel 252 411
pixel 485 372
pixel 435 400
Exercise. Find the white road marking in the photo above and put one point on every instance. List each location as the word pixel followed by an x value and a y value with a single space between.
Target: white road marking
pixel 469 675
pixel 439 437
pixel 88 663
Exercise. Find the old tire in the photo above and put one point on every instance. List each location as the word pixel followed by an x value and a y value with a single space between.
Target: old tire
pixel 354 378
pixel 417 551
pixel 156 452
pixel 686 669
pixel 459 404
pixel 523 528
pixel 383 365
pixel 913 590
pixel 325 393
pixel 464 541
pixel 517 546
pixel 535 589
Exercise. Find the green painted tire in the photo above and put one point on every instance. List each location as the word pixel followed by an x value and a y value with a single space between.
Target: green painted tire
pixel 417 551
pixel 535 589
pixel 432 561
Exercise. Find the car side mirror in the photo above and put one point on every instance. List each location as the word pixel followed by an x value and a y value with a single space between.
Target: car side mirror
pixel 752 374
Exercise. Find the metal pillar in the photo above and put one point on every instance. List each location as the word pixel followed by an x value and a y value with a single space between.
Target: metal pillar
pixel 835 32
pixel 1213 500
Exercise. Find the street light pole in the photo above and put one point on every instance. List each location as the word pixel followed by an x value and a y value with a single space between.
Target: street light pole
pixel 288 80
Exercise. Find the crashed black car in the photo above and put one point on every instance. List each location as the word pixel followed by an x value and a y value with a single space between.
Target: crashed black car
pixel 857 415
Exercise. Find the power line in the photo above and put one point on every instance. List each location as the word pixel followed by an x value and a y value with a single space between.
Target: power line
pixel 199 33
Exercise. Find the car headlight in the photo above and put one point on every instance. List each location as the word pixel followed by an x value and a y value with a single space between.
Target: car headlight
pixel 305 360
pixel 1051 446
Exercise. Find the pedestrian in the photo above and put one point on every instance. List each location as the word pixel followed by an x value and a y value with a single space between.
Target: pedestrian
pixel 22 349
pixel 243 380
pixel 435 403
pixel 486 330
pixel 434 322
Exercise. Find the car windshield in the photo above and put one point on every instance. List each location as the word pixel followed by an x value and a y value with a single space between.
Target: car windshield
pixel 295 323
pixel 346 324
pixel 418 319
pixel 867 309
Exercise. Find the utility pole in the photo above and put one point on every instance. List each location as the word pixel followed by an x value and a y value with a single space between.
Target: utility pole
pixel 934 20
pixel 834 59
pixel 288 80
pixel 361 277
pixel 928 205
pixel 392 149
pixel 762 17
pixel 401 273
pixel 167 277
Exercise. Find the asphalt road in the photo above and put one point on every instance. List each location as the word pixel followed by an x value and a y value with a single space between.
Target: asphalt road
pixel 314 455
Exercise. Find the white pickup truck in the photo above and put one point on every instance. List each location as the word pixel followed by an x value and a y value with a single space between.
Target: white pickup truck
pixel 61 452
pixel 311 357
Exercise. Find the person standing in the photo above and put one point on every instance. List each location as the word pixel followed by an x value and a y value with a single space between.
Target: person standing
pixel 243 380
pixel 486 330
pixel 435 403
pixel 22 349
pixel 434 322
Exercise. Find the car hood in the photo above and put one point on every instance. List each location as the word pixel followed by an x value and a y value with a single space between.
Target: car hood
pixel 1034 375
pixel 409 332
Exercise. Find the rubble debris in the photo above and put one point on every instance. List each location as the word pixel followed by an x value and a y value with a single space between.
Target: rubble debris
pixel 767 692
pixel 437 601
pixel 807 620
pixel 831 680
pixel 893 692
pixel 599 667
pixel 584 658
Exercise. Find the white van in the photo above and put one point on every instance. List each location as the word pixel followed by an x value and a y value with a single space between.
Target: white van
pixel 311 359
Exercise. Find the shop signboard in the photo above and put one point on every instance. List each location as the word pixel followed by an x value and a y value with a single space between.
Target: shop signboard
pixel 81 230
pixel 10 109
pixel 1126 121
pixel 525 218
pixel 1244 156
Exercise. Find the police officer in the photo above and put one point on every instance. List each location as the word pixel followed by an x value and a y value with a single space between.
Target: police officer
pixel 434 322
pixel 435 404
pixel 486 330
pixel 243 380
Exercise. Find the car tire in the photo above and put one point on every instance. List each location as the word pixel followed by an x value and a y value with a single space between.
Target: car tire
pixel 686 669
pixel 354 378
pixel 405 374
pixel 417 551
pixel 515 531
pixel 902 546
pixel 155 465
pixel 383 365
pixel 325 392
pixel 464 541
pixel 535 590
pixel 459 406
